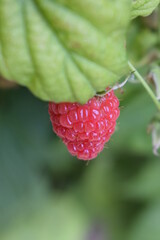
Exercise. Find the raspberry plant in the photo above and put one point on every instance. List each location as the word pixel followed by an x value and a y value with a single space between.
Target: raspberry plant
pixel 68 50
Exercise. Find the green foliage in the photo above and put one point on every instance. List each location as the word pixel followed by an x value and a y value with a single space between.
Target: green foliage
pixel 44 192
pixel 146 184
pixel 143 7
pixel 137 48
pixel 63 50
pixel 147 224
pixel 24 173
pixel 51 217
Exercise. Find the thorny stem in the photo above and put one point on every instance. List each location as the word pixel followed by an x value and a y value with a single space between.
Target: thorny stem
pixel 145 85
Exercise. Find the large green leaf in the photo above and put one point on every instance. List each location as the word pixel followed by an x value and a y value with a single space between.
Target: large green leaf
pixel 63 50
pixel 143 7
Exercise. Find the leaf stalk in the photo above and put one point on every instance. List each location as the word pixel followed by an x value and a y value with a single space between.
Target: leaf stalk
pixel 145 85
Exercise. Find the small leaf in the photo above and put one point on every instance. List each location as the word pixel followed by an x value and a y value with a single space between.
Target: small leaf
pixel 143 7
pixel 64 50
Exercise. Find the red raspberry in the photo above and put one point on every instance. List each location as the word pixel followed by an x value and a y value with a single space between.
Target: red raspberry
pixel 85 129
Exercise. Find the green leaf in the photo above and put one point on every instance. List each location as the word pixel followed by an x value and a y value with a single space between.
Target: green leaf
pixel 64 50
pixel 143 7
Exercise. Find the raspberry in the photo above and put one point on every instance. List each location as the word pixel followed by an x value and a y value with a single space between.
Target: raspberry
pixel 86 128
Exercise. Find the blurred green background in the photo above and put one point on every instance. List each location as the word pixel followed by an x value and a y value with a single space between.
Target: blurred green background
pixel 45 194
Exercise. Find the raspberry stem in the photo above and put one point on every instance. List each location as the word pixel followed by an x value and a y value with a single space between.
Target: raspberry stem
pixel 145 85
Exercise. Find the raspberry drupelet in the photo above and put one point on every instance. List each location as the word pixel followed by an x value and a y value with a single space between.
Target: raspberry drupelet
pixel 86 128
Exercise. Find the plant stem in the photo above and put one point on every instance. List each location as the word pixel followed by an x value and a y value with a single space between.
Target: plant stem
pixel 145 85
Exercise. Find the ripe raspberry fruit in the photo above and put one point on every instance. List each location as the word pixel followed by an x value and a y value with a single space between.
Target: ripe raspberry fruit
pixel 86 128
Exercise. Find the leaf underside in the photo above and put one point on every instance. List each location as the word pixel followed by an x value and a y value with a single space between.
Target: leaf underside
pixel 63 50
